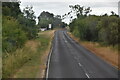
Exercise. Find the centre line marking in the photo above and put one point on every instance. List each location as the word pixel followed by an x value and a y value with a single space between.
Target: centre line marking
pixel 80 64
pixel 87 75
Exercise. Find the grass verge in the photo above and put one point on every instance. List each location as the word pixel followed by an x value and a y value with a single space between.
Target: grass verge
pixel 108 54
pixel 30 61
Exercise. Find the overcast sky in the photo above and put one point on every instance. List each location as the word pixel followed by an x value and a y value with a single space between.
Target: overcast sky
pixel 60 7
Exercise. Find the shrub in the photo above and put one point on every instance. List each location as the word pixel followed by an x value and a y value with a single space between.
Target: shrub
pixel 12 35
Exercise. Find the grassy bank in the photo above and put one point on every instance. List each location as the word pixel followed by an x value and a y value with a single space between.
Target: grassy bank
pixel 30 60
pixel 108 53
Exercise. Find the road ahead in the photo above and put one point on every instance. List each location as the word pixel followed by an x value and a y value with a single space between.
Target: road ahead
pixel 71 60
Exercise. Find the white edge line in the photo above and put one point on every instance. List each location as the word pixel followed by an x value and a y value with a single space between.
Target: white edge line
pixel 79 63
pixel 87 75
pixel 48 64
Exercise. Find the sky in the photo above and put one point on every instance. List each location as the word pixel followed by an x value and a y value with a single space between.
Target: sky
pixel 60 7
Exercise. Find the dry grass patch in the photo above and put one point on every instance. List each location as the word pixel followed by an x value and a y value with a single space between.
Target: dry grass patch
pixel 105 53
pixel 29 61
pixel 35 68
pixel 47 33
pixel 32 45
pixel 15 60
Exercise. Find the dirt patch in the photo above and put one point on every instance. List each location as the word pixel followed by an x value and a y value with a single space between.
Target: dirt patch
pixel 106 53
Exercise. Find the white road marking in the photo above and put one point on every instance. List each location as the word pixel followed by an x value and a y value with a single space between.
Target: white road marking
pixel 66 41
pixel 48 64
pixel 80 64
pixel 87 75
pixel 76 57
pixel 67 36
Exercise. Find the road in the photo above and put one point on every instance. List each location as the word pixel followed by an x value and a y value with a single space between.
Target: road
pixel 68 59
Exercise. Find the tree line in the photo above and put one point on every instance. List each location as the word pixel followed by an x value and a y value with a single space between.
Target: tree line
pixel 46 18
pixel 103 29
pixel 19 26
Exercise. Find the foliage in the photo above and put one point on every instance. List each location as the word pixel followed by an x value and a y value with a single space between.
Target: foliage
pixel 26 56
pixel 13 36
pixel 17 26
pixel 11 9
pixel 29 13
pixel 108 30
pixel 78 11
pixel 85 28
pixel 47 18
pixel 29 22
pixel 103 29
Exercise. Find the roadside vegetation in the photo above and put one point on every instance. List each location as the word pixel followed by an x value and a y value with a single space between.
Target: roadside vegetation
pixel 25 48
pixel 23 45
pixel 26 62
pixel 92 29
pixel 35 67
pixel 17 28
pixel 46 18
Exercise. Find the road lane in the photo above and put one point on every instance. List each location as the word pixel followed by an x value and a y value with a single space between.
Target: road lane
pixel 71 60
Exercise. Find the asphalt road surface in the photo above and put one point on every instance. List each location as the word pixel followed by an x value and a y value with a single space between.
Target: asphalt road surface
pixel 68 59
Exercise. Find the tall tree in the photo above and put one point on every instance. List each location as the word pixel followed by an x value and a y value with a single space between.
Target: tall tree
pixel 30 22
pixel 57 21
pixel 45 18
pixel 79 11
pixel 29 13
pixel 11 9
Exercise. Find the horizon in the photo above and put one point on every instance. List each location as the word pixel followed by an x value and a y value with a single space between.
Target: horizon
pixel 62 7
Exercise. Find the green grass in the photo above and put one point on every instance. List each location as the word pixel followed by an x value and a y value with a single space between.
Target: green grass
pixel 25 63
pixel 30 69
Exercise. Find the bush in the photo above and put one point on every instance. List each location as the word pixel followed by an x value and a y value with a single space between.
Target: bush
pixel 97 28
pixel 108 30
pixel 12 37
pixel 86 28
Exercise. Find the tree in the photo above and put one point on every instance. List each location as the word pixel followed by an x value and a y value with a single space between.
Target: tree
pixel 57 21
pixel 29 13
pixel 108 30
pixel 87 11
pixel 114 14
pixel 45 18
pixel 11 9
pixel 79 11
pixel 29 22
pixel 12 37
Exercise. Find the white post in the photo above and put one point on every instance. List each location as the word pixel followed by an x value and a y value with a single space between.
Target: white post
pixel 50 26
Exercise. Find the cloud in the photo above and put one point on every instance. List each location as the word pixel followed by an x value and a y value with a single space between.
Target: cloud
pixel 69 0
pixel 60 8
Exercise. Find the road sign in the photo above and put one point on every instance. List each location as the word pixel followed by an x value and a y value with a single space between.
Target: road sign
pixel 50 26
